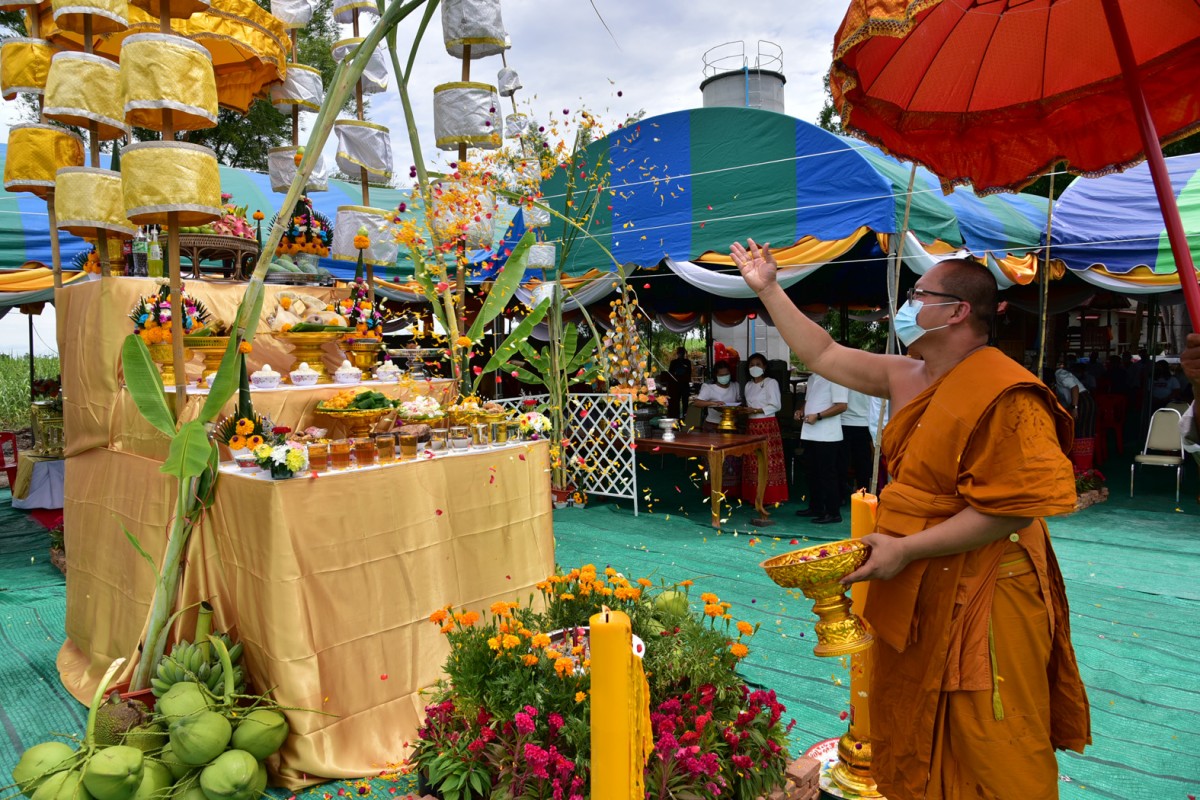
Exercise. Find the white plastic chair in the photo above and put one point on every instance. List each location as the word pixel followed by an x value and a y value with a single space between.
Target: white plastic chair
pixel 1163 436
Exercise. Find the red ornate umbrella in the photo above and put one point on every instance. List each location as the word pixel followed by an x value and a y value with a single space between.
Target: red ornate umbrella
pixel 995 92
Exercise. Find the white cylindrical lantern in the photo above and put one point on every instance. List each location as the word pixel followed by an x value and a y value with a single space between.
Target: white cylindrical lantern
pixel 464 213
pixel 375 75
pixel 281 168
pixel 302 88
pixel 24 66
pixel 468 113
pixel 378 222
pixel 507 82
pixel 363 145
pixel 542 255
pixel 294 13
pixel 535 217
pixel 343 10
pixel 516 124
pixel 477 23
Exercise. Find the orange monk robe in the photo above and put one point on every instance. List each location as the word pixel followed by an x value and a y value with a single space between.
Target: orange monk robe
pixel 975 682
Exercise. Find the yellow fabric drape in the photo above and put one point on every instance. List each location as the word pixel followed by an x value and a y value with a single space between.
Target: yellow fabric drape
pixel 1142 276
pixel 247 45
pixel 84 88
pixel 33 280
pixel 330 593
pixel 163 177
pixel 161 73
pixel 804 253
pixel 107 16
pixel 88 198
pixel 35 154
pixel 24 66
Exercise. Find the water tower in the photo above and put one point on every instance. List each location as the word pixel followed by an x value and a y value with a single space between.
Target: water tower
pixel 735 77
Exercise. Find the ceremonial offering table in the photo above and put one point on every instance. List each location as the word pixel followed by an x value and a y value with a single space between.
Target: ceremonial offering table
pixel 716 447
pixel 328 581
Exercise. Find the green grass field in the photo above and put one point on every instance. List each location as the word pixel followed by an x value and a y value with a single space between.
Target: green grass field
pixel 14 387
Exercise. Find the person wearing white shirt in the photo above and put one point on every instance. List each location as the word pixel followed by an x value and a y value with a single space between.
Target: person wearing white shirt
pixel 721 392
pixel 822 438
pixel 763 401
pixel 856 442
pixel 878 413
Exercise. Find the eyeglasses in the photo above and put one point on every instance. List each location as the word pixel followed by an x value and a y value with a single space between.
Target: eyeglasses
pixel 919 294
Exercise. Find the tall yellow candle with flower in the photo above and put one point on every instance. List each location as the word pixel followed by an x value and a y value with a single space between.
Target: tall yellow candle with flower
pixel 620 710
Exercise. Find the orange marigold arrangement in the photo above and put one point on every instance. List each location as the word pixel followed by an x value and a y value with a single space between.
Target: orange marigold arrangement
pixel 515 704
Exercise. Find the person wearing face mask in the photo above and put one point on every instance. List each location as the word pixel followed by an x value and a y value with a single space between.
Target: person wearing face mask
pixel 763 401
pixel 975 682
pixel 721 392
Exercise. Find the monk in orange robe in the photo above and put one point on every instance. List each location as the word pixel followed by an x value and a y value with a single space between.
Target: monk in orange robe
pixel 974 684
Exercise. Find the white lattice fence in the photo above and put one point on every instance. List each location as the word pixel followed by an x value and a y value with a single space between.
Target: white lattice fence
pixel 600 430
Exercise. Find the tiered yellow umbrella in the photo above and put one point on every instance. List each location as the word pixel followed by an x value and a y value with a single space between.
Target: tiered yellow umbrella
pixel 170 85
pixel 24 66
pixel 36 151
pixel 247 44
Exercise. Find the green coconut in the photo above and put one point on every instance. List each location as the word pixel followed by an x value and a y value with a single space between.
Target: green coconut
pixel 671 605
pixel 146 738
pixel 38 763
pixel 156 782
pixel 178 768
pixel 114 773
pixel 182 700
pixel 261 733
pixel 199 738
pixel 188 790
pixel 260 780
pixel 66 785
pixel 233 775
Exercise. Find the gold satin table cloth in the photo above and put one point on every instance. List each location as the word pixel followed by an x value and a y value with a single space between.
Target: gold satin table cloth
pixel 24 66
pixel 328 582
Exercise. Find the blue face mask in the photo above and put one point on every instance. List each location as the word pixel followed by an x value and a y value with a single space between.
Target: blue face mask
pixel 908 330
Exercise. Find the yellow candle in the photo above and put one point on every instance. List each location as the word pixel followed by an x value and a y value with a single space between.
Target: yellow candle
pixel 616 772
pixel 863 510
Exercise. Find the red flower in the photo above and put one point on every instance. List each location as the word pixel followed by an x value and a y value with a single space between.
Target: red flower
pixel 280 430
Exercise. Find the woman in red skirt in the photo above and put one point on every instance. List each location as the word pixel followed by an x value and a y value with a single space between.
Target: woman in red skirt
pixel 763 400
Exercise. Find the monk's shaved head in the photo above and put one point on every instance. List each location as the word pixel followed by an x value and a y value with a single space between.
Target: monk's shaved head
pixel 971 281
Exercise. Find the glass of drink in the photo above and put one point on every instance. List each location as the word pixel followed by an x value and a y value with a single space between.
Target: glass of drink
pixel 339 453
pixel 460 437
pixel 385 445
pixel 318 456
pixel 499 432
pixel 439 440
pixel 408 446
pixel 481 434
pixel 364 452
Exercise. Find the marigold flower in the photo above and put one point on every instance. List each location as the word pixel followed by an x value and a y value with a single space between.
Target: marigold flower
pixel 712 610
pixel 580 697
pixel 645 582
pixel 540 640
pixel 500 609
pixel 510 641
pixel 468 618
pixel 566 596
pixel 745 628
pixel 244 347
pixel 237 442
pixel 438 617
pixel 244 426
pixel 259 216
pixel 709 597
pixel 686 584
pixel 254 442
pixel 463 341
pixel 362 242
pixel 564 667
pixel 739 650
pixel 494 643
pixel 449 626
pixel 553 655
pixel 529 660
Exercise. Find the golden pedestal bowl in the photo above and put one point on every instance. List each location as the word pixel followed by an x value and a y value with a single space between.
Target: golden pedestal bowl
pixel 816 571
pixel 730 416
pixel 358 422
pixel 362 353
pixel 309 348
pixel 211 349
pixel 162 355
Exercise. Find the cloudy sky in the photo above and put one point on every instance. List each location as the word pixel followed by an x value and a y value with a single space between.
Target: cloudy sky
pixel 654 57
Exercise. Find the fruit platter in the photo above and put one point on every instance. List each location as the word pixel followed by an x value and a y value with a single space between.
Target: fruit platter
pixel 358 409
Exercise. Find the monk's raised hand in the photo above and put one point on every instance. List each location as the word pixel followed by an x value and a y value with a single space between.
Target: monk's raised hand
pixel 757 265
pixel 885 561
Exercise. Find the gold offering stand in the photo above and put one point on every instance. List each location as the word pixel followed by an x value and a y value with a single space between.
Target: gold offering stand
pixel 362 353
pixel 211 349
pixel 161 354
pixel 359 422
pixel 416 358
pixel 308 348
pixel 729 418
pixel 816 571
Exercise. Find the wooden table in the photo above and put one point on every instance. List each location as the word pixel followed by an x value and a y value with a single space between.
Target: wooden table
pixel 716 447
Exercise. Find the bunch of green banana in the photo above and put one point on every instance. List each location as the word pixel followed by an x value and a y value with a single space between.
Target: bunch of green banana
pixel 197 663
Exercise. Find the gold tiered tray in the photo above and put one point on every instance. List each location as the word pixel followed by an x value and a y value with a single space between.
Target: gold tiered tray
pixel 308 347
pixel 362 353
pixel 358 422
pixel 816 571
pixel 211 349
